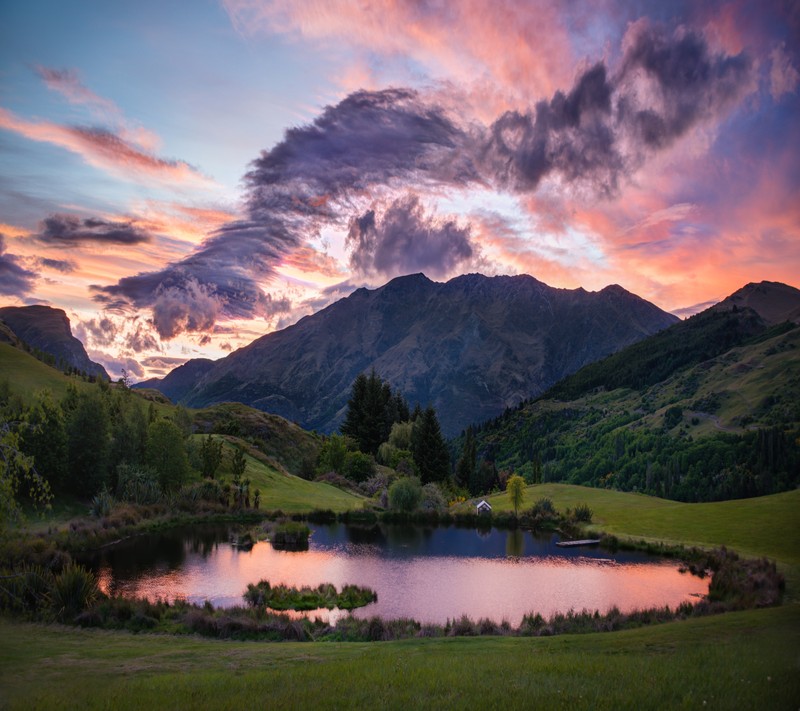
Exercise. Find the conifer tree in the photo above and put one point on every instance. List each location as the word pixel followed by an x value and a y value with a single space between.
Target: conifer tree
pixel 429 449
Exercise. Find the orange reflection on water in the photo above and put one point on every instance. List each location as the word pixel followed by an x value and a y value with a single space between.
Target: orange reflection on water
pixel 429 588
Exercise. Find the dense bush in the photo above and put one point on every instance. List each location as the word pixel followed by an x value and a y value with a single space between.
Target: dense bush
pixel 405 494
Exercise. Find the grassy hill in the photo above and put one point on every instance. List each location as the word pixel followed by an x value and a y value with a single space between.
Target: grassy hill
pixel 277 450
pixel 725 427
pixel 26 375
pixel 281 490
pixel 761 526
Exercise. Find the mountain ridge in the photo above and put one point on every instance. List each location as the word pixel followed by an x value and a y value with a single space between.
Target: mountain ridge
pixel 471 346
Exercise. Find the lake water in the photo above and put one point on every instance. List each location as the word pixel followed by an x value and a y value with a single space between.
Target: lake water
pixel 429 574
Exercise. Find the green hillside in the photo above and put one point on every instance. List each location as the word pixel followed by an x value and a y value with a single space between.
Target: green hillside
pixel 761 526
pixel 277 450
pixel 281 490
pixel 726 427
pixel 25 374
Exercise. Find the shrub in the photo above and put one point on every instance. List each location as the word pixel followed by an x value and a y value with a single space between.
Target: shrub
pixel 139 485
pixel 74 589
pixel 432 498
pixel 358 466
pixel 405 494
pixel 583 513
pixel 101 504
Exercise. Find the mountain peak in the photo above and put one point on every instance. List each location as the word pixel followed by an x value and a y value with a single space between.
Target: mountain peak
pixel 471 347
pixel 771 300
pixel 48 329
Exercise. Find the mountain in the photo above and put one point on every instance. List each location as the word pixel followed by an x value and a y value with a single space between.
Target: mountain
pixel 48 330
pixel 772 301
pixel 706 409
pixel 471 347
pixel 179 381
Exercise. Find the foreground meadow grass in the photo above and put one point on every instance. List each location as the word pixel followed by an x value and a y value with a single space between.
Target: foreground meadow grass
pixel 745 660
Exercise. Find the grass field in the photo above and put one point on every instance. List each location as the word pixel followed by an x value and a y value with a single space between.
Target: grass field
pixel 763 526
pixel 736 661
pixel 26 375
pixel 290 493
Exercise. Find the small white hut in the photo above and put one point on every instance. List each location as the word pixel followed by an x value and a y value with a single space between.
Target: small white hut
pixel 484 507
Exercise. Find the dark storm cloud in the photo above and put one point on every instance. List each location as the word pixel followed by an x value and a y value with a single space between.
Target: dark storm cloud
pixel 15 280
pixel 68 230
pixel 406 240
pixel 606 125
pixel 690 84
pixel 182 300
pixel 369 139
pixel 372 145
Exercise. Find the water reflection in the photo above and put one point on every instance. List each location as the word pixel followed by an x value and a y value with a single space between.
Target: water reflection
pixel 515 543
pixel 430 574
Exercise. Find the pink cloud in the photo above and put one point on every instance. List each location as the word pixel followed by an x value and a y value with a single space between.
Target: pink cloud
pixel 516 52
pixel 106 150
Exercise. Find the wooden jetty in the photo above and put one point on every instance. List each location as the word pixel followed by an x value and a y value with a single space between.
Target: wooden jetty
pixel 584 542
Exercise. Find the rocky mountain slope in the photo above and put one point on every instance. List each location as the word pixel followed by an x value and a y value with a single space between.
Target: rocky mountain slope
pixel 471 347
pixel 48 330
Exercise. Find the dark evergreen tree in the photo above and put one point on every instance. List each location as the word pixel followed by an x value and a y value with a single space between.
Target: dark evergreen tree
pixel 371 411
pixel 210 456
pixel 44 437
pixel 468 462
pixel 88 444
pixel 429 449
pixel 129 434
pixel 166 454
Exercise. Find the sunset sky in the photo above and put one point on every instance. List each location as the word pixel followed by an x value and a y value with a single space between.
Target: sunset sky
pixel 182 177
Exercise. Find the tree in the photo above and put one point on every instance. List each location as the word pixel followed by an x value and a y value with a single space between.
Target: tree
pixel 332 455
pixel 166 454
pixel 129 433
pixel 17 472
pixel 516 491
pixel 241 486
pixel 89 444
pixel 405 494
pixel 211 456
pixel 371 411
pixel 44 437
pixel 467 465
pixel 429 449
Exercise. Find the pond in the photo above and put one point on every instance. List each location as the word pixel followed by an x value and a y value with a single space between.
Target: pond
pixel 429 574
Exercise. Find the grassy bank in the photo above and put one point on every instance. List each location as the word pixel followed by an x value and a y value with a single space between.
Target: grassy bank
pixel 764 526
pixel 741 660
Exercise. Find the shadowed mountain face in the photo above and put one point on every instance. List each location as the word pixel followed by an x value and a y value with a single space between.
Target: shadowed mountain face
pixel 180 380
pixel 471 347
pixel 48 329
pixel 772 301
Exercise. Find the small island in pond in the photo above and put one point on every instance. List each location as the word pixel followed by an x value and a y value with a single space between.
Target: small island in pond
pixel 282 597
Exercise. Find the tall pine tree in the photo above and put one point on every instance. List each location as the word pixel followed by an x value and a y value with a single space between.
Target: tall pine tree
pixel 371 411
pixel 428 448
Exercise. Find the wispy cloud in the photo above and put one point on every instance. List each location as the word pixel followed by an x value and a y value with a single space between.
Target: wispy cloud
pixel 15 280
pixel 106 150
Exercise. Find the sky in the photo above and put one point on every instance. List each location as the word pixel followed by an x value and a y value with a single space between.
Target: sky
pixel 183 177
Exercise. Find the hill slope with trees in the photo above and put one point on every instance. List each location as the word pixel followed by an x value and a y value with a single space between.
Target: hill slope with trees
pixel 708 409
